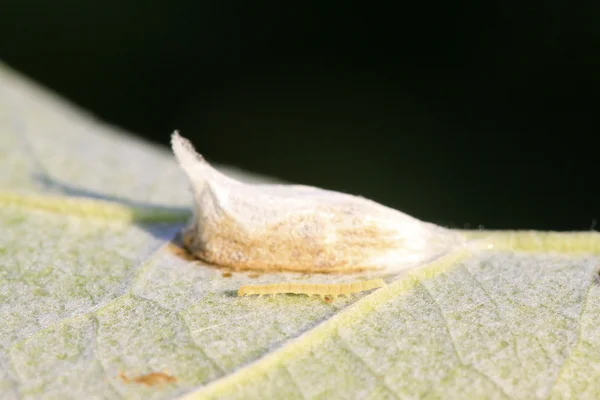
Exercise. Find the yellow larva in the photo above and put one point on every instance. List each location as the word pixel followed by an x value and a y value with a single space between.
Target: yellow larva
pixel 310 289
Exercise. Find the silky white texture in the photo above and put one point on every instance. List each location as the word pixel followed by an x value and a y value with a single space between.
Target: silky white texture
pixel 352 231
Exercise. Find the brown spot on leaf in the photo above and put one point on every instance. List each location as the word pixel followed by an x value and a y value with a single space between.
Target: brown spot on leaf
pixel 226 274
pixel 151 379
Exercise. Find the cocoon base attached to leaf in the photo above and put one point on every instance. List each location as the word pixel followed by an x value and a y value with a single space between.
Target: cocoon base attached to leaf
pixel 299 228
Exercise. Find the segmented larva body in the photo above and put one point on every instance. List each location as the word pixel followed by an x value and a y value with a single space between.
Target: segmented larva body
pixel 310 289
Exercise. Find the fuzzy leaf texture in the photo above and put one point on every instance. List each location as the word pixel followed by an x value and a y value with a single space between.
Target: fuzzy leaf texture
pixel 94 296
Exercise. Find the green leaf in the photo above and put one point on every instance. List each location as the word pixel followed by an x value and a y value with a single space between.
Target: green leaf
pixel 92 288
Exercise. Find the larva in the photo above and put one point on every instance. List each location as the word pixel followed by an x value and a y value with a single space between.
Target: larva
pixel 323 290
pixel 299 228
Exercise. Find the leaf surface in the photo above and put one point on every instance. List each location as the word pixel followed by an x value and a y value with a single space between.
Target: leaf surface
pixel 94 293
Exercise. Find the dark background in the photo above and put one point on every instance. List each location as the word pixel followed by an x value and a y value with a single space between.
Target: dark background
pixel 457 113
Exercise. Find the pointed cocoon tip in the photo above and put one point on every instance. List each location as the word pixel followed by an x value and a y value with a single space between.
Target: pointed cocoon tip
pixel 185 152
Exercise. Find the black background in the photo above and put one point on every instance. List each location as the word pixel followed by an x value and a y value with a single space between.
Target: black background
pixel 457 113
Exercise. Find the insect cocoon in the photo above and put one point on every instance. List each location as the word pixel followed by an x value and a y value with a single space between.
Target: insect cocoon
pixel 273 227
